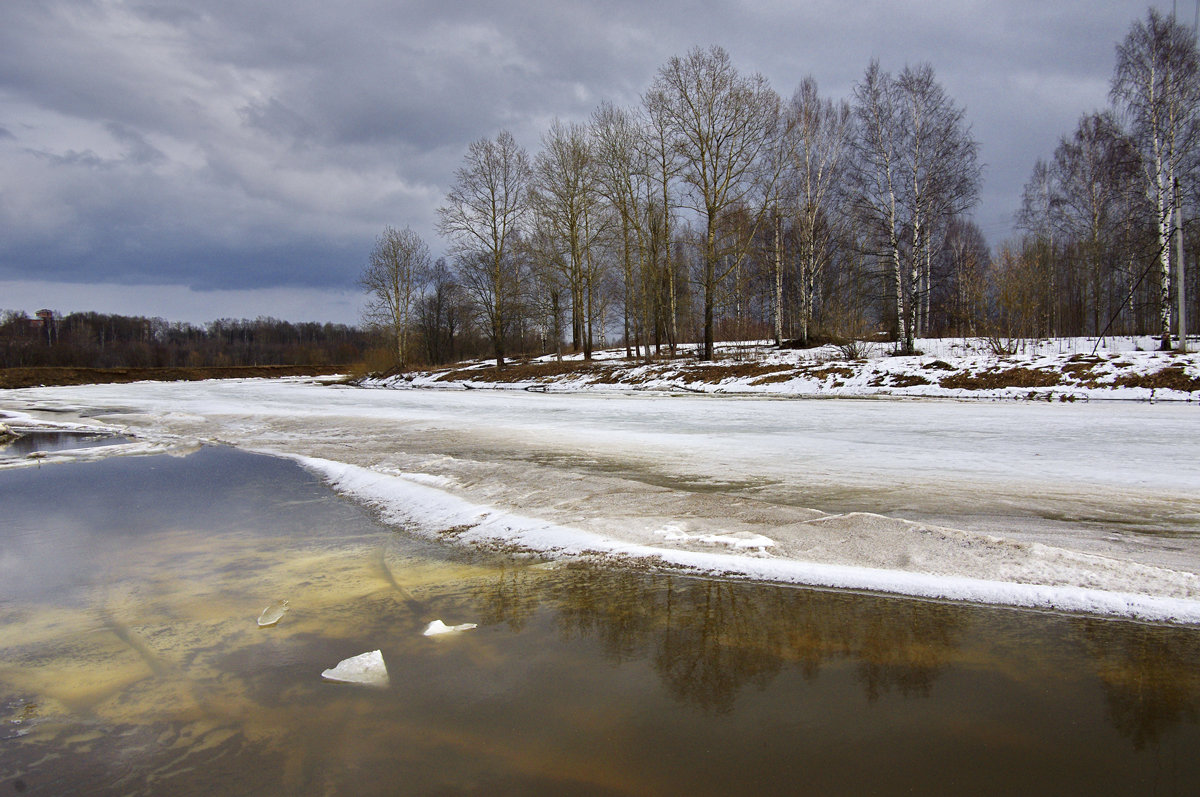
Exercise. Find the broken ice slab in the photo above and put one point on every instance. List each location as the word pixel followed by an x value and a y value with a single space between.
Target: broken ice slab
pixel 437 627
pixel 271 614
pixel 366 669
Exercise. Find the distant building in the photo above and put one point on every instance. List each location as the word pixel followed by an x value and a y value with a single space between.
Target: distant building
pixel 44 319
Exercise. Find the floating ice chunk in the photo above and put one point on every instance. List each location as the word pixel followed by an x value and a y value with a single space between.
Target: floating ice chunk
pixel 271 614
pixel 366 669
pixel 437 628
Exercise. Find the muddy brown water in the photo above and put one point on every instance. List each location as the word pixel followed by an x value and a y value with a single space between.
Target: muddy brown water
pixel 131 663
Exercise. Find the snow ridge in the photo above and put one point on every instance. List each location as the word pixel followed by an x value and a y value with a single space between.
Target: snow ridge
pixel 429 510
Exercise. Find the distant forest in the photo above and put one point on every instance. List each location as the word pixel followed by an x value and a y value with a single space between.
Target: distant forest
pixel 97 340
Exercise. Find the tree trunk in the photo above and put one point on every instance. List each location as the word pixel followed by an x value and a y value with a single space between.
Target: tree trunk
pixel 778 284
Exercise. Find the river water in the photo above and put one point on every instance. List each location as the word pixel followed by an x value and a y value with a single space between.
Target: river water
pixel 131 663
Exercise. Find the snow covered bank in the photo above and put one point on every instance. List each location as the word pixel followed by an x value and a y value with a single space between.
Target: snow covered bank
pixel 1074 369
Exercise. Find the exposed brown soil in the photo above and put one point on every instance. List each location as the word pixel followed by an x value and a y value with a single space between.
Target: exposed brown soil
pixel 995 379
pixel 719 373
pixel 907 380
pixel 520 372
pixel 1170 378
pixel 1077 371
pixel 35 377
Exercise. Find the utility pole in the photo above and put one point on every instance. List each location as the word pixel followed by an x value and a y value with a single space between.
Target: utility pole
pixel 1180 276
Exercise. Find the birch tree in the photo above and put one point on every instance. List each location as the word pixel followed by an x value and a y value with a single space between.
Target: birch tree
pixel 482 218
pixel 397 264
pixel 821 136
pixel 916 168
pixel 622 177
pixel 564 197
pixel 941 178
pixel 876 173
pixel 1156 84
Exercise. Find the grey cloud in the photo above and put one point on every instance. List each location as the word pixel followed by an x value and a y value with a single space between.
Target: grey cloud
pixel 229 143
pixel 138 149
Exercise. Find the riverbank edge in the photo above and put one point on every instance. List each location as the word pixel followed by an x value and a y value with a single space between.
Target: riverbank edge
pixel 1127 376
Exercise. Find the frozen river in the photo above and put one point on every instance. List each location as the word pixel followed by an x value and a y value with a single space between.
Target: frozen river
pixel 1076 506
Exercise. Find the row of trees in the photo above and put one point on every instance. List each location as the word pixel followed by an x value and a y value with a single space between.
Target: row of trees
pixel 713 208
pixel 97 340
pixel 1103 216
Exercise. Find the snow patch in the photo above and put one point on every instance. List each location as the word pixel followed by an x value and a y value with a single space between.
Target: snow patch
pixel 744 540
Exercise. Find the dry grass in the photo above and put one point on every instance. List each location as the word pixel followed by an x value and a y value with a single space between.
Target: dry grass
pixel 996 379
pixel 1170 378
pixel 719 373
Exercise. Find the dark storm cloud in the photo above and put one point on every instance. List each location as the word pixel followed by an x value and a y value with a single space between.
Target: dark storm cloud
pixel 225 143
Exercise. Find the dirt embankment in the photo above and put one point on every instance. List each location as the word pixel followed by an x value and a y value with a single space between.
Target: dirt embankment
pixel 36 377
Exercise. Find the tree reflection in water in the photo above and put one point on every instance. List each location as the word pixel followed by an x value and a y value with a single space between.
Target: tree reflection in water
pixel 1150 679
pixel 709 639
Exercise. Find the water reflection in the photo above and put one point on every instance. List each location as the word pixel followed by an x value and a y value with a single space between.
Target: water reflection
pixel 47 442
pixel 710 639
pixel 1150 679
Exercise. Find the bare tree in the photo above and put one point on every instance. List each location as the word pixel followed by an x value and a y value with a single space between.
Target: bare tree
pixel 941 176
pixel 441 313
pixel 1036 217
pixel 1156 85
pixel 564 197
pixel 721 124
pixel 623 177
pixel 666 168
pixel 967 256
pixel 397 264
pixel 822 131
pixel 482 217
pixel 1093 173
pixel 876 173
pixel 917 167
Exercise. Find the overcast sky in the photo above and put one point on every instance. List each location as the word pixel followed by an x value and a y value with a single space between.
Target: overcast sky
pixel 198 159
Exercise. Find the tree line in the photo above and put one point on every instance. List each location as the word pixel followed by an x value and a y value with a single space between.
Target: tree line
pixel 98 340
pixel 712 209
pixel 716 209
pixel 1105 239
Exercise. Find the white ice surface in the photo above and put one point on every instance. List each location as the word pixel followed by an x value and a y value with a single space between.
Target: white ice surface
pixel 438 628
pixel 1082 507
pixel 365 669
